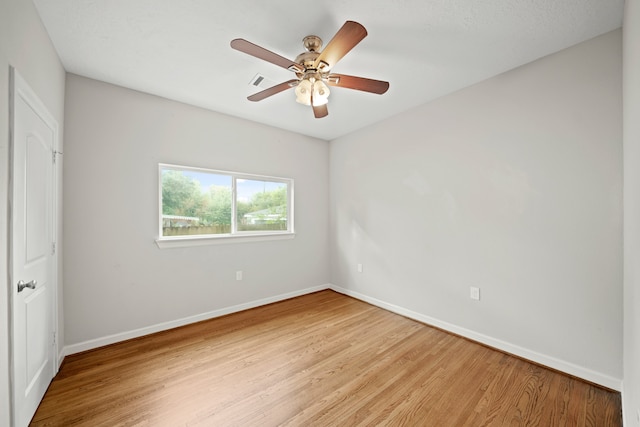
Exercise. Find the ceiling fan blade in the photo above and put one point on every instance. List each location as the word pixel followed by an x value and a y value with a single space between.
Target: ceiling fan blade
pixel 345 39
pixel 358 83
pixel 273 90
pixel 259 52
pixel 320 111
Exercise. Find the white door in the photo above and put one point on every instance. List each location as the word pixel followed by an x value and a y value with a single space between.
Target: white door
pixel 32 250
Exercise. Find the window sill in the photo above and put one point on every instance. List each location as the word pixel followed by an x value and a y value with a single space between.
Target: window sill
pixel 187 241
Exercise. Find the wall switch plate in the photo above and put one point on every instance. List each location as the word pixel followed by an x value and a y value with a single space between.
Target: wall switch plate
pixel 239 275
pixel 474 293
pixel 359 268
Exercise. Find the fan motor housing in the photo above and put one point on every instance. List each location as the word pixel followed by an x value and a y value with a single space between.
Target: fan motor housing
pixel 307 59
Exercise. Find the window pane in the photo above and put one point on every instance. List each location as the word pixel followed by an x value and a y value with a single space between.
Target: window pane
pixel 261 205
pixel 195 203
pixel 199 202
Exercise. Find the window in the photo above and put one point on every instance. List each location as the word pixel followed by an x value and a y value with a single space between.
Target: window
pixel 200 203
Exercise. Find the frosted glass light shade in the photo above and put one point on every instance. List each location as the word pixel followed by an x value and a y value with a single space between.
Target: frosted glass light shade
pixel 320 93
pixel 303 92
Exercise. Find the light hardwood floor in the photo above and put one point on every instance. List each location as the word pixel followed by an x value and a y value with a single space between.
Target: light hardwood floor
pixel 322 359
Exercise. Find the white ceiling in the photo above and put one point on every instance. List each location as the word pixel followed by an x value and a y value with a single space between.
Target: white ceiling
pixel 424 48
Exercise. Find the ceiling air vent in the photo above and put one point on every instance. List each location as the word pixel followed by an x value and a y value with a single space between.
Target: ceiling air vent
pixel 261 81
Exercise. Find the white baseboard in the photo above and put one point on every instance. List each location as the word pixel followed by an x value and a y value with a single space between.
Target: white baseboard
pixel 542 359
pixel 61 355
pixel 624 413
pixel 112 339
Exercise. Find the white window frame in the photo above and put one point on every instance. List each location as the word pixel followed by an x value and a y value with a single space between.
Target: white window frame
pixel 234 236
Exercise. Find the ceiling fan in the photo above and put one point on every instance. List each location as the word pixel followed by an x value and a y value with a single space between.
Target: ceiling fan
pixel 313 68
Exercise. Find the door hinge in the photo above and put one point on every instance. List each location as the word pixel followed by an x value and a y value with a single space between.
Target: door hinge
pixel 54 155
pixel 54 338
pixel 53 248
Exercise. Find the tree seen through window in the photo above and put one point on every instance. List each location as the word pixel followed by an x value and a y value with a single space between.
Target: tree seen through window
pixel 198 202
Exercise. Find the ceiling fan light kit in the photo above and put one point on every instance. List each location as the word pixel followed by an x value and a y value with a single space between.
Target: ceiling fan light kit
pixel 312 92
pixel 312 68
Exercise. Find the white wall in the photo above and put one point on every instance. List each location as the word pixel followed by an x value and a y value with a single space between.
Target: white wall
pixel 116 279
pixel 25 45
pixel 513 185
pixel 631 390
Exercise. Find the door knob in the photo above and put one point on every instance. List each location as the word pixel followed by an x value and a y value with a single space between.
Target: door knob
pixel 31 285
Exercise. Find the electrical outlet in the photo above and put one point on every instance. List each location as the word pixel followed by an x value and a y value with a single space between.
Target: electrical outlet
pixel 359 268
pixel 474 293
pixel 239 275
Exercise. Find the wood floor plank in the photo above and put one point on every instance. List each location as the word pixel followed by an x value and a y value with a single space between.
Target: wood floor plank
pixel 322 359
